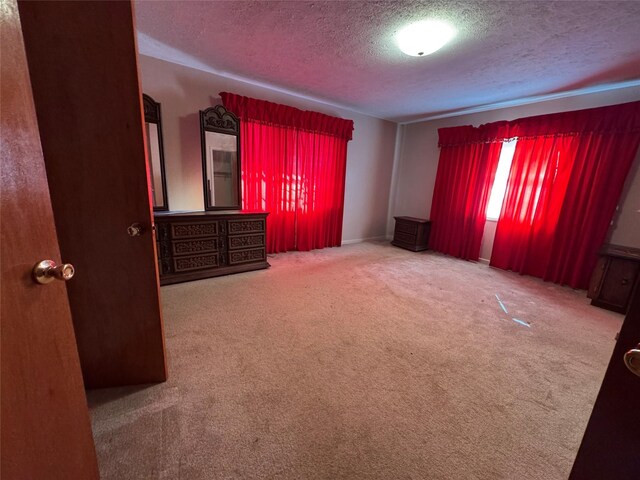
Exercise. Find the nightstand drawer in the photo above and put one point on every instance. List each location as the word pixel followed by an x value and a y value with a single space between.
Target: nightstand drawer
pixel 404 238
pixel 408 228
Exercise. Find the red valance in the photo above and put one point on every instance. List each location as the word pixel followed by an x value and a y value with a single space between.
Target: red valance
pixel 622 118
pixel 282 115
pixel 468 134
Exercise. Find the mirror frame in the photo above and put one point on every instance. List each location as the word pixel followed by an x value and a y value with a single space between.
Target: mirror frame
pixel 152 114
pixel 219 120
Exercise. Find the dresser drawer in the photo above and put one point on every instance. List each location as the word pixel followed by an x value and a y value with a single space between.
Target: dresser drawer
pixel 247 256
pixel 240 242
pixel 195 262
pixel 236 227
pixel 190 247
pixel 194 230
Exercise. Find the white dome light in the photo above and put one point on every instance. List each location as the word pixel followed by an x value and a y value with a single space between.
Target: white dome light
pixel 425 37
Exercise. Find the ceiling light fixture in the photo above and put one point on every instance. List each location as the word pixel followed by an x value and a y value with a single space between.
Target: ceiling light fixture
pixel 425 37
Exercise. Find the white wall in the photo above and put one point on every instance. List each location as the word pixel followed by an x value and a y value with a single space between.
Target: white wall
pixel 183 91
pixel 418 162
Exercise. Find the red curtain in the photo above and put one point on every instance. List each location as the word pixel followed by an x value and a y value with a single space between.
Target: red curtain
pixel 531 207
pixel 321 191
pixel 563 189
pixel 293 166
pixel 269 180
pixel 466 170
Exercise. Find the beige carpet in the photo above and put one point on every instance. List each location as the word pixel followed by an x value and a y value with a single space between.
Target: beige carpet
pixel 362 362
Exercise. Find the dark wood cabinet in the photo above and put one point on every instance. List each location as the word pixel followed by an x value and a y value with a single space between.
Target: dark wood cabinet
pixel 196 245
pixel 411 233
pixel 615 277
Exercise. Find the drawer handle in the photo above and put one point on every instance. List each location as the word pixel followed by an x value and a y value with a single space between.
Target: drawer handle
pixel 624 281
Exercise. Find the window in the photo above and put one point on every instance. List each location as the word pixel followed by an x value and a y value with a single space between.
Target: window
pixel 500 182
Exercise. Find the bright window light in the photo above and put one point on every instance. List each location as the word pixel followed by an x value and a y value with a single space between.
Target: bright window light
pixel 500 182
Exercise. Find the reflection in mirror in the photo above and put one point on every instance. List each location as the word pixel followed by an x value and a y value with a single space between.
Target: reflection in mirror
pixel 155 153
pixel 220 135
pixel 222 168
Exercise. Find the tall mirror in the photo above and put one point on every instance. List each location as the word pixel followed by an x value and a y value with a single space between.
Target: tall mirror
pixel 220 134
pixel 155 153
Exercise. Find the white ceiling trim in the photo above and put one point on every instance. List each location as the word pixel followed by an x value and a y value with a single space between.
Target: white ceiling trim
pixel 528 100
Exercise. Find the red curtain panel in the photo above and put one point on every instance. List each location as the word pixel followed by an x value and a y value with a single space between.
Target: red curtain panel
pixel 293 166
pixel 601 165
pixel 531 207
pixel 466 170
pixel 269 180
pixel 566 178
pixel 322 168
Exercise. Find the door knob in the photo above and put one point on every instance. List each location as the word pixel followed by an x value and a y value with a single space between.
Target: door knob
pixel 135 230
pixel 632 360
pixel 47 271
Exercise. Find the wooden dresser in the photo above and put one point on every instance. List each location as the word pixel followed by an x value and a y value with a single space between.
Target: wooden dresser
pixel 615 277
pixel 411 233
pixel 196 245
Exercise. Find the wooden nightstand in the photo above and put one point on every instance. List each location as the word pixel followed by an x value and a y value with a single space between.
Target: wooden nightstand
pixel 615 277
pixel 411 233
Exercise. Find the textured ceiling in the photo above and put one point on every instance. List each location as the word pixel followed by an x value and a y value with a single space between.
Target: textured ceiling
pixel 343 52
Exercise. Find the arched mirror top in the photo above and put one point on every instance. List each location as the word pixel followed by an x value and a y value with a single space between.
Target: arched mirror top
pixel 151 109
pixel 155 153
pixel 219 119
pixel 220 135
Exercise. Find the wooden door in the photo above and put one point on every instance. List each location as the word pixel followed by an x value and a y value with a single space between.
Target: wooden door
pixel 83 64
pixel 46 431
pixel 610 447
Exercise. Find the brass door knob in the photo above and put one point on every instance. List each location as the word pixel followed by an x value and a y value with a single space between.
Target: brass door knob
pixel 632 360
pixel 135 230
pixel 47 271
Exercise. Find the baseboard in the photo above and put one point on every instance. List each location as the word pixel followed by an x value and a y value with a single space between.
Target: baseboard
pixel 483 260
pixel 368 239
